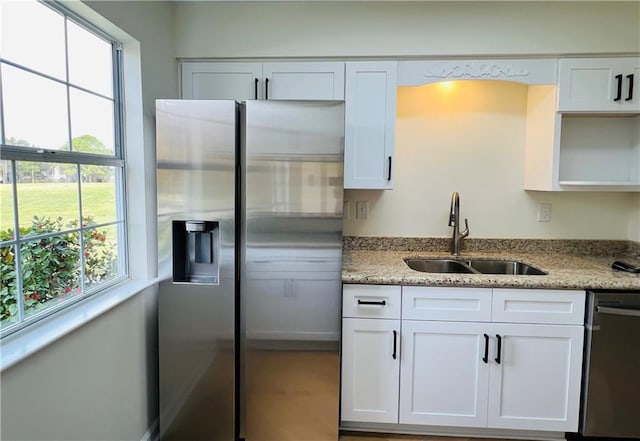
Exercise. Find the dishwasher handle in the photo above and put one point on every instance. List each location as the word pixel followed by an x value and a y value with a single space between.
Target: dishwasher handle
pixel 618 311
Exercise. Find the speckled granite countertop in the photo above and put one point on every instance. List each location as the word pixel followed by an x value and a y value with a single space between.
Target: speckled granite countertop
pixel 567 270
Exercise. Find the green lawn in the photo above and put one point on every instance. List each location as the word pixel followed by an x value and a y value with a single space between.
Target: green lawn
pixel 58 200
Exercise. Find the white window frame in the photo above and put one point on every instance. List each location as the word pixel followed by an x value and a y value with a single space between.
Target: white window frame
pixel 82 307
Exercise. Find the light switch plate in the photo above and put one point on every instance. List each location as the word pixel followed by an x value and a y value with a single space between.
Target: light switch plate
pixel 544 212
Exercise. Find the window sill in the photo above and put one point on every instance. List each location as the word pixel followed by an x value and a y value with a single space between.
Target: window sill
pixel 16 347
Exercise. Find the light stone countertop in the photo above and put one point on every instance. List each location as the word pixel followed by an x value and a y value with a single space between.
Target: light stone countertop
pixel 566 271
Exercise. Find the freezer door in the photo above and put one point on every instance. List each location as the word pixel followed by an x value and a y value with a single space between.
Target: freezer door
pixel 291 282
pixel 196 152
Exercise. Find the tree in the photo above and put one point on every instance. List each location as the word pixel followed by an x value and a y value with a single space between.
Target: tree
pixel 89 144
pixel 25 170
pixel 29 170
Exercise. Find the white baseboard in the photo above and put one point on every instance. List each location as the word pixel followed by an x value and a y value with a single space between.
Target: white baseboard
pixel 152 433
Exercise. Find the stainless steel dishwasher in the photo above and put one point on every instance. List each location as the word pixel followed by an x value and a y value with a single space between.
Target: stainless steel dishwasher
pixel 611 381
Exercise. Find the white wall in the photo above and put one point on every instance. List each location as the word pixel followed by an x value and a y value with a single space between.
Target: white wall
pixel 90 385
pixel 429 28
pixel 470 138
pixel 100 381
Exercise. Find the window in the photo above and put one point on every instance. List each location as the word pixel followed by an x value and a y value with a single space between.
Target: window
pixel 62 220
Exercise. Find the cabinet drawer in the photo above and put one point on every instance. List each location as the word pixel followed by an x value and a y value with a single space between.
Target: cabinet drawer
pixel 456 304
pixel 371 301
pixel 538 306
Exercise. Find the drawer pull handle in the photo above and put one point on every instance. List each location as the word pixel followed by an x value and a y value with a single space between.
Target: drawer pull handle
pixel 371 302
pixel 499 348
pixel 630 95
pixel 486 349
pixel 619 89
pixel 255 88
pixel 395 344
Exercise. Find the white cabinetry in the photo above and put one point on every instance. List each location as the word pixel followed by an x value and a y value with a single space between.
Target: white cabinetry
pixel 517 368
pixel 247 80
pixel 473 357
pixel 574 151
pixel 220 81
pixel 370 353
pixel 370 118
pixel 535 377
pixel 599 84
pixel 369 91
pixel 538 355
pixel 443 380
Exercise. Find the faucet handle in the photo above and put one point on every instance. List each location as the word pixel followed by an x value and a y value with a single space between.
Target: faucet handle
pixel 465 233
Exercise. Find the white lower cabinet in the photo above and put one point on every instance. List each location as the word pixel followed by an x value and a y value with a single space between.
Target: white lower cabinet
pixel 536 384
pixel 443 380
pixel 370 369
pixel 370 353
pixel 501 359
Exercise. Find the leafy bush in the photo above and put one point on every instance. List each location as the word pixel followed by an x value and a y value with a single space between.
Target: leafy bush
pixel 51 265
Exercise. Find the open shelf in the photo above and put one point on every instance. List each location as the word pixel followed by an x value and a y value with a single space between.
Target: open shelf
pixel 599 150
pixel 579 151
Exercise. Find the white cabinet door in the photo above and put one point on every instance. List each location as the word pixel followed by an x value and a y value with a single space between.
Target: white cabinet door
pixel 599 84
pixel 303 81
pixel 370 370
pixel 535 378
pixel 220 81
pixel 444 373
pixel 370 118
pixel 248 81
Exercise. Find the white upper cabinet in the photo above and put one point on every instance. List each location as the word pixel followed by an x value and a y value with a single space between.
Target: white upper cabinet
pixel 370 119
pixel 599 84
pixel 579 151
pixel 247 81
pixel 220 81
pixel 303 80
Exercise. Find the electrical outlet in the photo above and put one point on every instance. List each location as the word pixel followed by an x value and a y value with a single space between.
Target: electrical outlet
pixel 346 210
pixel 544 212
pixel 362 210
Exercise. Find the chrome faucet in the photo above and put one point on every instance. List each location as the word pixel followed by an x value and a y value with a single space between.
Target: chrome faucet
pixel 454 221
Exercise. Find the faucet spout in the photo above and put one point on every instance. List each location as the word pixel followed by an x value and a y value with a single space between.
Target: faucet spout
pixel 454 210
pixel 454 221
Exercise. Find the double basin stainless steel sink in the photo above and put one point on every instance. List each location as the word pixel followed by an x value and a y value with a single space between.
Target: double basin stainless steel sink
pixel 473 266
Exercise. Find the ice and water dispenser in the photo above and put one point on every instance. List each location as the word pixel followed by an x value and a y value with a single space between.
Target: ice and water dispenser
pixel 196 251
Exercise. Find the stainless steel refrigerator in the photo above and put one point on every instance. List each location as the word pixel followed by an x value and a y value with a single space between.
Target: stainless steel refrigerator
pixel 250 199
